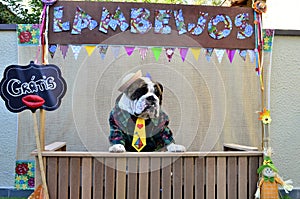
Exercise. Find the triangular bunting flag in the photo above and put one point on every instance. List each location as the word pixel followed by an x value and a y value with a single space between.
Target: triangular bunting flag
pixel 196 53
pixel 219 54
pixel 183 53
pixel 103 50
pixel 64 50
pixel 38 193
pixel 129 50
pixel 169 53
pixel 143 52
pixel 90 49
pixel 208 53
pixel 230 54
pixel 251 55
pixel 52 49
pixel 115 50
pixel 76 50
pixel 156 52
pixel 243 54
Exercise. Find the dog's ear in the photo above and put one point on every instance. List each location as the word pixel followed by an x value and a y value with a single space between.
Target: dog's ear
pixel 158 91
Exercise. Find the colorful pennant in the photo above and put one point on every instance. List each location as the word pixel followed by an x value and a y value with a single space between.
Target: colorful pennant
pixel 103 50
pixel 76 50
pixel 143 52
pixel 129 50
pixel 183 53
pixel 52 49
pixel 196 52
pixel 116 51
pixel 220 53
pixel 243 54
pixel 156 52
pixel 169 53
pixel 230 54
pixel 64 49
pixel 90 49
pixel 208 53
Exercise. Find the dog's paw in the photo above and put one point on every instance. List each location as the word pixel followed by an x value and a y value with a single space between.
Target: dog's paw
pixel 175 148
pixel 117 148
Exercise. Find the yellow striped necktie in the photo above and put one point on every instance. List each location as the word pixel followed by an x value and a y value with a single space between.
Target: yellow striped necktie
pixel 139 136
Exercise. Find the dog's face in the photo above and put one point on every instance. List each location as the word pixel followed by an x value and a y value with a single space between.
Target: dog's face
pixel 145 97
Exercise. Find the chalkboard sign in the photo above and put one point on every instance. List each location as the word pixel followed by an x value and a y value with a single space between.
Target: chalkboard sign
pixel 44 81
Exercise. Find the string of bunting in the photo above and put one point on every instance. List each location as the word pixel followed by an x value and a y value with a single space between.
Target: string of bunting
pixel 28 35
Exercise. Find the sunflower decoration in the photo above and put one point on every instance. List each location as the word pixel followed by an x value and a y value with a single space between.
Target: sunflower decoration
pixel 265 117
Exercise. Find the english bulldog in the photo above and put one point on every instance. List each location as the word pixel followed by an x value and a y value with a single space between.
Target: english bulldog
pixel 140 98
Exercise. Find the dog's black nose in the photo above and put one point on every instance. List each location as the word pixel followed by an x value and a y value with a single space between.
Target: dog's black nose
pixel 150 98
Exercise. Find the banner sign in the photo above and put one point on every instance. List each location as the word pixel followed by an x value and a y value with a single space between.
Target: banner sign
pixel 42 80
pixel 146 24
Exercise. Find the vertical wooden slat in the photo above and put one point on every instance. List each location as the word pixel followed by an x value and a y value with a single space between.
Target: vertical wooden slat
pixel 63 178
pixel 221 177
pixel 86 192
pixel 166 178
pixel 200 177
pixel 177 178
pixel 38 179
pixel 210 177
pixel 132 185
pixel 188 177
pixel 98 178
pixel 143 177
pixel 52 176
pixel 74 178
pixel 232 178
pixel 155 178
pixel 110 165
pixel 121 178
pixel 242 177
pixel 253 176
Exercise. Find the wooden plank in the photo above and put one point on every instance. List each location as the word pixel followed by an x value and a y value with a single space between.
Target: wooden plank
pixel 63 178
pixel 221 177
pixel 74 178
pixel 188 177
pixel 143 177
pixel 232 177
pixel 110 165
pixel 52 172
pixel 98 178
pixel 121 178
pixel 210 177
pixel 242 177
pixel 86 191
pixel 155 178
pixel 151 154
pixel 200 177
pixel 132 185
pixel 166 178
pixel 252 176
pixel 177 178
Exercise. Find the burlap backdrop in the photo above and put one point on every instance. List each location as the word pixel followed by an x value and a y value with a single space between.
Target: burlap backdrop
pixel 209 103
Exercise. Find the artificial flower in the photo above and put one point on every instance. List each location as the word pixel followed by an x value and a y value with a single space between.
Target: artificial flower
pixel 265 117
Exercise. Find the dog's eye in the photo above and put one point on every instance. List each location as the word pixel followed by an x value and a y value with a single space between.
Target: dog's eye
pixel 139 92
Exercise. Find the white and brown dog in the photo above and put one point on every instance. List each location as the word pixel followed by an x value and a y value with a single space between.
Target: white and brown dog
pixel 140 98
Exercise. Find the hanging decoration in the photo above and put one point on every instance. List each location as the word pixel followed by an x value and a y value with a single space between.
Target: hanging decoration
pixel 219 54
pixel 243 54
pixel 143 52
pixel 268 36
pixel 208 53
pixel 196 52
pixel 25 175
pixel 115 50
pixel 103 50
pixel 129 50
pixel 169 53
pixel 76 50
pixel 64 49
pixel 230 54
pixel 52 49
pixel 28 34
pixel 156 52
pixel 183 53
pixel 90 50
pixel 265 116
